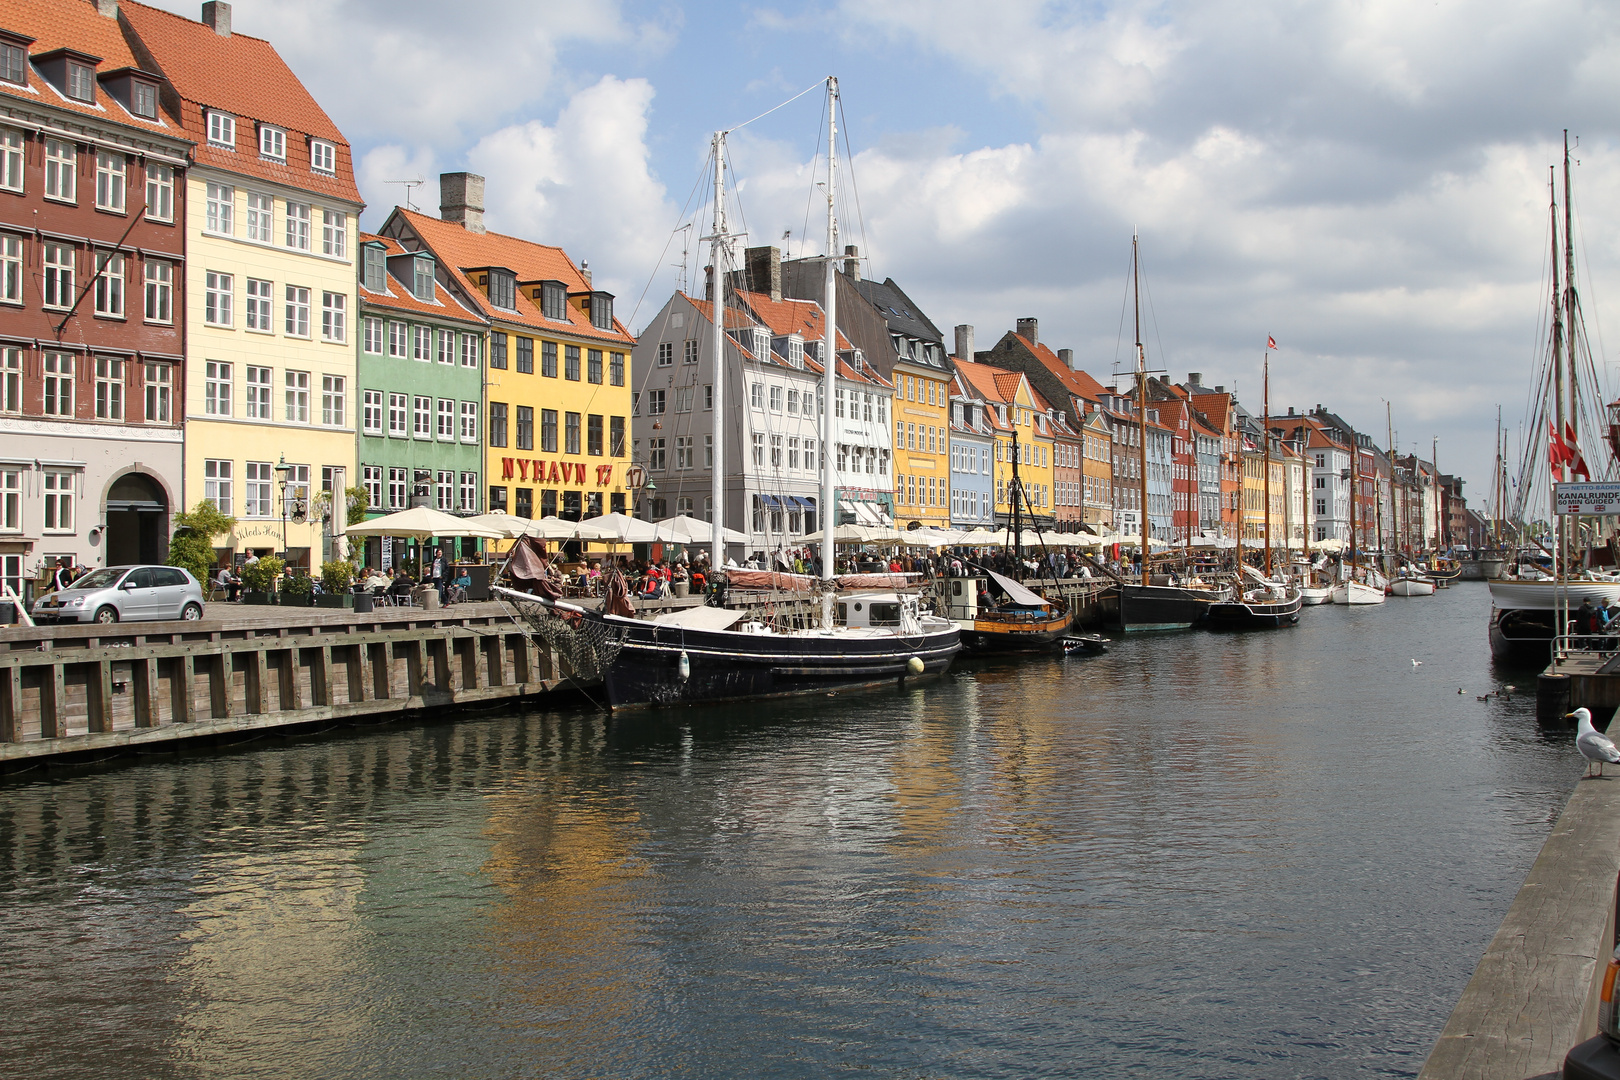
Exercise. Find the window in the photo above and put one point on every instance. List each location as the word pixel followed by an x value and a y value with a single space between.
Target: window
pixel 469 492
pixel 298 397
pixel 666 353
pixel 109 388
pixel 159 192
pixel 469 421
pixel 159 393
pixel 143 99
pixel 497 423
pixel 759 449
pixel 371 480
pixel 683 451
pixel 616 436
pixel 334 234
pixel 61 170
pixel 422 279
pixel 503 290
pixel 776 399
pixel 58 369
pixel 396 489
pixel 112 181
pixel 334 317
pixel 217 388
pixel 810 454
pixel 572 433
pixel 616 368
pixel 548 359
pixel 655 402
pixel 11 156
pixel 422 417
pixel 525 427
pixel 272 143
pixel 548 430
pixel 217 291
pixel 258 305
pixel 444 490
pixel 525 355
pixel 371 415
pixel 708 451
pixel 110 286
pixel 571 362
pixel 13 64
pixel 334 409
pixel 656 455
pixel 371 335
pixel 323 159
pixel 58 501
pixel 217 485
pixel 298 226
pixel 447 346
pixel 297 320
pixel 593 366
pixel 258 393
pixel 398 340
pixel 776 451
pixel 11 379
pixel 422 343
pixel 683 399
pixel 497 351
pixel 221 205
pixel 838 402
pixel 793 402
pixel 793 453
pixel 59 275
pixel 469 350
pixel 222 130
pixel 602 311
pixel 691 355
pixel 447 420
pixel 256 490
pixel 261 216
pixel 81 82
pixel 397 426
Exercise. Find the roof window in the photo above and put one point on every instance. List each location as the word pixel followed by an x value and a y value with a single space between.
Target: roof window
pixel 73 73
pixel 553 296
pixel 81 81
pixel 322 157
pixel 221 130
pixel 14 60
pixel 503 289
pixel 272 143
pixel 422 277
pixel 373 266
pixel 602 310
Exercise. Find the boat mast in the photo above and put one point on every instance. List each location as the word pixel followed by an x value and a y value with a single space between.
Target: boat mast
pixel 1440 510
pixel 1017 522
pixel 1557 363
pixel 1574 414
pixel 717 358
pixel 1141 408
pixel 829 360
pixel 1394 511
pixel 1265 438
pixel 1355 486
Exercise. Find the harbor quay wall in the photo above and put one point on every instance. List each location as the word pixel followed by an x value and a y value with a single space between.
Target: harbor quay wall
pixel 1534 994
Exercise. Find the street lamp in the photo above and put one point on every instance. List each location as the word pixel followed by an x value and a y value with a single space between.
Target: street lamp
pixel 283 473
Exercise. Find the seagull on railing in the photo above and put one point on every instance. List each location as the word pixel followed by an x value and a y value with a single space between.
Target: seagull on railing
pixel 1593 745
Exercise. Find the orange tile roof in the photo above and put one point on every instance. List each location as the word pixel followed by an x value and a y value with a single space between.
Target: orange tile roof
pixel 781 317
pixel 75 24
pixel 247 78
pixel 735 319
pixel 1218 407
pixel 462 251
pixel 398 298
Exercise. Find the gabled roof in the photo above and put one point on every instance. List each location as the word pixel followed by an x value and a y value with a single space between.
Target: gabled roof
pixel 397 298
pixel 1217 408
pixel 462 251
pixel 897 309
pixel 783 317
pixel 246 77
pixel 77 25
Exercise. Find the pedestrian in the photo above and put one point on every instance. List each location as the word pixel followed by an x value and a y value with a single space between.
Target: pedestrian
pixel 441 574
pixel 63 577
pixel 1584 617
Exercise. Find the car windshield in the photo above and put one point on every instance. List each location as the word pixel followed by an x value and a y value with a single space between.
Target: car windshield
pixel 99 579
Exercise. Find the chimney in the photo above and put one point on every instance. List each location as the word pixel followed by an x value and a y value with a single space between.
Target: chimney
pixel 1220 389
pixel 216 15
pixel 461 199
pixel 1195 378
pixel 585 271
pixel 852 262
pixel 1067 357
pixel 109 8
pixel 964 342
pixel 1030 328
pixel 764 270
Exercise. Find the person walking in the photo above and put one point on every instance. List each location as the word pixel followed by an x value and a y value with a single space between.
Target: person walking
pixel 441 575
pixel 63 576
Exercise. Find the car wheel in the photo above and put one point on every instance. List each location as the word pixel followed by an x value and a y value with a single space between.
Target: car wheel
pixel 107 615
pixel 192 612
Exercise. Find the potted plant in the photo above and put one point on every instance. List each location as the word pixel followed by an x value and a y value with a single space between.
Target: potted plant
pixel 259 580
pixel 297 587
pixel 336 577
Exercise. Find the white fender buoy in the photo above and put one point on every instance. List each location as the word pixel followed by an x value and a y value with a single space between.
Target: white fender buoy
pixel 915 665
pixel 684 668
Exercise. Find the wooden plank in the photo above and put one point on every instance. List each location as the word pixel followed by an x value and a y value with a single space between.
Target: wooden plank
pixel 439 652
pixel 11 705
pixel 320 676
pixel 144 687
pixel 290 692
pixel 415 663
pixel 383 670
pixel 253 682
pixel 98 696
pixel 53 703
pixel 219 685
pixel 359 665
pixel 494 658
pixel 467 650
pixel 183 679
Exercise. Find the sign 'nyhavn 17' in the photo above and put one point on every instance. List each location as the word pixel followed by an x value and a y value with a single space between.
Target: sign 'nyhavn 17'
pixel 553 472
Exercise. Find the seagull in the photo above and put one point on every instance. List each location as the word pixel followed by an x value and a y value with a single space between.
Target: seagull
pixel 1459 689
pixel 1417 663
pixel 1592 745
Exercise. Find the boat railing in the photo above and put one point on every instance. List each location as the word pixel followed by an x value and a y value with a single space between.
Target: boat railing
pixel 1599 646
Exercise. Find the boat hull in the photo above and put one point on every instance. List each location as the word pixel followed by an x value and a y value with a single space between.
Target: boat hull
pixel 1162 607
pixel 1312 597
pixel 728 665
pixel 1521 635
pixel 996 635
pixel 1356 594
pixel 1403 586
pixel 1546 595
pixel 1250 615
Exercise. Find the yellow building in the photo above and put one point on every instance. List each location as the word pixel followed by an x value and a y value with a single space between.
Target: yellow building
pixel 271 218
pixel 557 401
pixel 922 425
pixel 1021 427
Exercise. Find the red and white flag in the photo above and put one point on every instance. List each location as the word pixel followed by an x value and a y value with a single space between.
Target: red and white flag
pixel 1271 342
pixel 1557 452
pixel 1577 463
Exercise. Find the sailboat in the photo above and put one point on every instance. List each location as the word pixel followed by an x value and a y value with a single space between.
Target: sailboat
pixel 706 655
pixel 1150 605
pixel 1369 589
pixel 1408 580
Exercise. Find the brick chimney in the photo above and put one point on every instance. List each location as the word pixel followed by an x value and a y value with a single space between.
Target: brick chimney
pixel 852 262
pixel 1030 329
pixel 216 15
pixel 763 270
pixel 461 200
pixel 964 342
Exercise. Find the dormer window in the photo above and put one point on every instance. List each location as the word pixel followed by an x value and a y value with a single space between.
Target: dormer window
pixel 13 63
pixel 81 81
pixel 602 312
pixel 272 143
pixel 322 157
pixel 553 296
pixel 761 344
pixel 373 267
pixel 143 99
pixel 503 289
pixel 795 350
pixel 422 278
pixel 222 130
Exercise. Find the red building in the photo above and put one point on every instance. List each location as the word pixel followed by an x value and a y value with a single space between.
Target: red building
pixel 92 272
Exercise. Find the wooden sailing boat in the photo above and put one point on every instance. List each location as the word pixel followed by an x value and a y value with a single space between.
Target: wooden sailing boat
pixel 1354 590
pixel 1406 580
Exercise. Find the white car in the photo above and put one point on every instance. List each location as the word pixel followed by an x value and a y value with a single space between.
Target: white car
pixel 122 593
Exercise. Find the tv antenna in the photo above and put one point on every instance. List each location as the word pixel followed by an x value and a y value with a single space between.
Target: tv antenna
pixel 408 185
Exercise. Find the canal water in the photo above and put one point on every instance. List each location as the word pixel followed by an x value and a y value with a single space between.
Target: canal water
pixel 1277 854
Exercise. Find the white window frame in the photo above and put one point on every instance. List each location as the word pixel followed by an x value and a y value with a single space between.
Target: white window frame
pixel 296 323
pixel 399 421
pixel 112 181
pixel 59 275
pixel 221 130
pixel 258 306
pixel 159 380
pixel 297 225
pixel 335 234
pixel 216 388
pixel 110 387
pixel 59 488
pixel 469 492
pixel 11 268
pixel 445 426
pixel 371 412
pixel 469 422
pixel 220 218
pixel 59 383
pixel 159 192
pixel 371 479
pixel 273 143
pixel 334 317
pixel 11 379
pixel 399 340
pixel 261 217
pixel 109 302
pixel 61 170
pixel 12 160
pixel 421 417
pixel 371 335
pixel 260 383
pixel 218 292
pixel 217 483
pixel 334 401
pixel 469 350
pixel 297 397
pixel 322 157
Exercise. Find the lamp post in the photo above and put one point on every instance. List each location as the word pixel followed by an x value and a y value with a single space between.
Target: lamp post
pixel 283 473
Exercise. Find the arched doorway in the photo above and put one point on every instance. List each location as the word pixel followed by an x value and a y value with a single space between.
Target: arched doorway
pixel 137 515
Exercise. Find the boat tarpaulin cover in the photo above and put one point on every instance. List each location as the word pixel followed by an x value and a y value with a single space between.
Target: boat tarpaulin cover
pixel 769 579
pixel 700 618
pixel 1016 592
pixel 874 581
pixel 527 567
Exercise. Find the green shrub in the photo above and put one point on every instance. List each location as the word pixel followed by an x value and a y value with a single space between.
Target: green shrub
pixel 336 576
pixel 261 576
pixel 192 545
pixel 295 582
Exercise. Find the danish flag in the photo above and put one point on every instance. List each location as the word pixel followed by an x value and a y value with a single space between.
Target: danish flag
pixel 1564 450
pixel 1271 342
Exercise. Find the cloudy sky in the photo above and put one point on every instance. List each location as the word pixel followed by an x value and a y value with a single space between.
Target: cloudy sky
pixel 1365 180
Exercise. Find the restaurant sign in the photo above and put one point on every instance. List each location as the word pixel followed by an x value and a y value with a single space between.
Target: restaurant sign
pixel 536 471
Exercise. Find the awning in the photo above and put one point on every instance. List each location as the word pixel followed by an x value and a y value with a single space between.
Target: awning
pixel 769 502
pixel 1016 592
pixel 799 502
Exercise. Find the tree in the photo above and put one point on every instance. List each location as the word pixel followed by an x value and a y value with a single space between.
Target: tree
pixel 192 546
pixel 359 502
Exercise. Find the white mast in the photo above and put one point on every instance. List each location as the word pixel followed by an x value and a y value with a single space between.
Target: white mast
pixel 829 358
pixel 717 251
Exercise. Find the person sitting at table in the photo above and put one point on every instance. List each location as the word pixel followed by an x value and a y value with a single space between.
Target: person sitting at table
pixel 401 586
pixel 654 583
pixel 459 587
pixel 375 580
pixel 227 580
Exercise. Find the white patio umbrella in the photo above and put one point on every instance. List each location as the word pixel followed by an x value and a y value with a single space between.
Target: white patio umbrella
pixel 422 522
pixel 1135 540
pixel 686 529
pixel 556 528
pixel 981 538
pixel 927 537
pixel 860 534
pixel 509 526
pixel 624 528
pixel 1332 543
